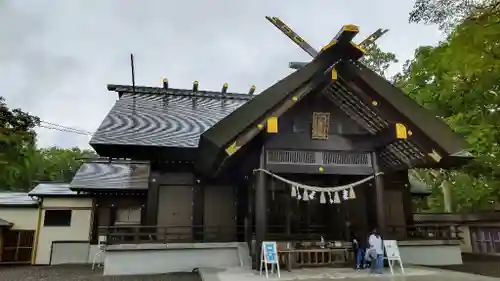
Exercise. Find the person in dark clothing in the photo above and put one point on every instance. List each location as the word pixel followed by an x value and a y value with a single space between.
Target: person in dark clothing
pixel 359 245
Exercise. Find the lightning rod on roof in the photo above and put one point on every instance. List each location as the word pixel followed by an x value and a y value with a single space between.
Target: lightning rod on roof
pixel 132 67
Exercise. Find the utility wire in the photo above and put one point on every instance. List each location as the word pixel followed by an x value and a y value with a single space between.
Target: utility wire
pixel 65 130
pixel 57 127
pixel 65 127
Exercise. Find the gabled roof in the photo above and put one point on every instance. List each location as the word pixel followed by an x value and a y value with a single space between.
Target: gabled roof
pixel 159 117
pixel 103 175
pixel 421 119
pixel 431 142
pixel 52 189
pixel 313 76
pixel 363 95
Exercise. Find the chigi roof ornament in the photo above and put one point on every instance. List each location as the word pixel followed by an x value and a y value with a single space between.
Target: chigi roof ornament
pixel 365 44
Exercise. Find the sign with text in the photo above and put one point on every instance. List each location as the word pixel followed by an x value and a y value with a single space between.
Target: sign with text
pixel 269 256
pixel 391 249
pixel 270 252
pixel 393 255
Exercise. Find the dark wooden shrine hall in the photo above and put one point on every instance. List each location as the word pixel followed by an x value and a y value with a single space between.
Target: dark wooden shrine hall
pixel 330 123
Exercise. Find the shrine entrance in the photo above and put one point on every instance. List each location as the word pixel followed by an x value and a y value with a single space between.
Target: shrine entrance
pixel 293 218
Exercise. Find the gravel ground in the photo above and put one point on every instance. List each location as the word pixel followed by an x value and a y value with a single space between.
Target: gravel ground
pixel 81 273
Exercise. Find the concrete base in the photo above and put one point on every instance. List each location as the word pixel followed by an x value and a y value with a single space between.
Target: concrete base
pixel 138 259
pixel 430 252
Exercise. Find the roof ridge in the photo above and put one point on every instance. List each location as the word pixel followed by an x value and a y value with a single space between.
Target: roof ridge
pixel 176 92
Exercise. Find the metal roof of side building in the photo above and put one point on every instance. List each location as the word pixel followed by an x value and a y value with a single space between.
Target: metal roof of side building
pixel 46 189
pixel 4 223
pixel 9 199
pixel 111 176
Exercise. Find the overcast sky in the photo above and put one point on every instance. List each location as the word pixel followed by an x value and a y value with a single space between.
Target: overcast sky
pixel 57 56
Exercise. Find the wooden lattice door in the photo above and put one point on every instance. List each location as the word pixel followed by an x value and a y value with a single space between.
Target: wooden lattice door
pixel 17 246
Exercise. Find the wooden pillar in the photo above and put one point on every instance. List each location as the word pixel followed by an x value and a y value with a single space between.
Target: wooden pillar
pixel 260 209
pixel 407 201
pixel 198 208
pixel 250 213
pixel 249 221
pixel 288 211
pixel 152 200
pixel 379 195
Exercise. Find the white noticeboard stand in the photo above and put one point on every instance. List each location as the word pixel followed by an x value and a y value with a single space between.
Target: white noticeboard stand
pixel 269 256
pixel 392 252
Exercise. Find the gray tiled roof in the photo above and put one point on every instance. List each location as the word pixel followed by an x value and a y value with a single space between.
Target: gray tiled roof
pixel 165 120
pixel 4 223
pixel 102 175
pixel 52 189
pixel 417 186
pixel 16 199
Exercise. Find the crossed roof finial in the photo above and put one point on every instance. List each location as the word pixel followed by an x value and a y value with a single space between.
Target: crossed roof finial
pixel 365 44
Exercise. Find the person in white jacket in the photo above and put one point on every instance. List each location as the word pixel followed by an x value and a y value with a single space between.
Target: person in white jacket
pixel 376 252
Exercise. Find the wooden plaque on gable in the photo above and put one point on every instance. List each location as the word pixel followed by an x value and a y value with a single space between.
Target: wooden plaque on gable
pixel 320 125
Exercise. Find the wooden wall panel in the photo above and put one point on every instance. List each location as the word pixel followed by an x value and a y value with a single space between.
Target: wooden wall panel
pixel 220 212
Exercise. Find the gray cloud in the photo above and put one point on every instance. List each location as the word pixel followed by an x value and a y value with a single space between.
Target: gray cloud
pixel 57 56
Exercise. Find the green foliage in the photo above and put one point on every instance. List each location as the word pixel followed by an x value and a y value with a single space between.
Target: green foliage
pixel 459 81
pixel 21 163
pixel 378 60
pixel 447 14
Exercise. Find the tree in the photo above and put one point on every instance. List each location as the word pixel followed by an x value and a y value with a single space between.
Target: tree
pixel 449 13
pixel 21 163
pixel 60 164
pixel 17 139
pixel 458 80
pixel 378 60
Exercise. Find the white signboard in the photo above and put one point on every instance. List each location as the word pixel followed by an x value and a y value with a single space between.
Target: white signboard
pixel 391 249
pixel 393 255
pixel 269 256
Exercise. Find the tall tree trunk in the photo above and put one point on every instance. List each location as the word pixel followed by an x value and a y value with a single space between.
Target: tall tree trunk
pixel 447 201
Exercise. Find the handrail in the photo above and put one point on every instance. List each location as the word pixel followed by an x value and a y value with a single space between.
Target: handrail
pixel 139 234
pixel 120 234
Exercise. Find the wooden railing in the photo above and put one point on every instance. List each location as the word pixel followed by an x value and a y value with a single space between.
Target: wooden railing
pixel 424 231
pixel 279 233
pixel 296 258
pixel 138 234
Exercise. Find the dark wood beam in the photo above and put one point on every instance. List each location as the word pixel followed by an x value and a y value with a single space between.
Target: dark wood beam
pixel 260 208
pixel 379 195
pixel 152 200
pixel 198 210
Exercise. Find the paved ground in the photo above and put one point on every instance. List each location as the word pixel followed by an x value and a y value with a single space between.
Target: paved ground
pixel 489 267
pixel 329 274
pixel 482 265
pixel 81 273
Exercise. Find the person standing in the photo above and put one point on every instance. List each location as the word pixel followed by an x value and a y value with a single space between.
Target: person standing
pixel 376 252
pixel 359 245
